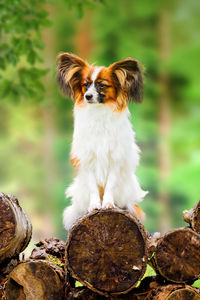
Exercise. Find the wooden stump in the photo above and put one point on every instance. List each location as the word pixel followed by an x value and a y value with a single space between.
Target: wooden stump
pixel 192 217
pixel 15 227
pixel 107 252
pixel 177 255
pixel 35 280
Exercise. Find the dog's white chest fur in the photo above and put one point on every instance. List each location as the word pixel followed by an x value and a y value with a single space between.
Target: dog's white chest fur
pixel 103 143
pixel 103 140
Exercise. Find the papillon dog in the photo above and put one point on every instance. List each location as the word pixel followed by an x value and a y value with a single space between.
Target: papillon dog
pixel 104 153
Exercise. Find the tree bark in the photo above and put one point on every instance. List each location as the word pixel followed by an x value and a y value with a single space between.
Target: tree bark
pixel 15 228
pixel 176 256
pixel 107 251
pixel 192 217
pixel 35 280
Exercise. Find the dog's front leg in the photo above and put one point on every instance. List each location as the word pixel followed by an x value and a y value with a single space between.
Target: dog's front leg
pixel 108 200
pixel 95 202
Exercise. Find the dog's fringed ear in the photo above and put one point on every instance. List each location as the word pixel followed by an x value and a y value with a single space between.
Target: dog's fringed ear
pixel 128 74
pixel 69 68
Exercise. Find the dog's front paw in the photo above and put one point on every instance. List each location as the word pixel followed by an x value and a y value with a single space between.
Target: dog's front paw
pixel 108 202
pixel 94 206
pixel 95 203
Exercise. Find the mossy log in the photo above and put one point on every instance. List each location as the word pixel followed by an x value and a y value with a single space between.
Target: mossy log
pixel 177 256
pixel 15 228
pixel 35 280
pixel 192 217
pixel 107 251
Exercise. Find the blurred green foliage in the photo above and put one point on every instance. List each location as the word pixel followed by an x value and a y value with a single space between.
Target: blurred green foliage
pixel 21 23
pixel 80 5
pixel 35 137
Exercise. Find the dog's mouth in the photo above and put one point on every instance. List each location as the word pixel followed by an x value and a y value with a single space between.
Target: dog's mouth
pixel 95 102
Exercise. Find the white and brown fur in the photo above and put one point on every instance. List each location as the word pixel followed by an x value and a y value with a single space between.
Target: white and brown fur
pixel 104 153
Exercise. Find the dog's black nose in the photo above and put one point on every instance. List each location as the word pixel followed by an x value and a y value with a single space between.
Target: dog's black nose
pixel 88 96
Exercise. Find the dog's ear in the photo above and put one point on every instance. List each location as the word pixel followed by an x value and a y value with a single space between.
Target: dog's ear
pixel 128 75
pixel 69 68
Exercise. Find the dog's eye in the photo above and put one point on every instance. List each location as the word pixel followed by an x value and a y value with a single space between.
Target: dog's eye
pixel 102 85
pixel 85 84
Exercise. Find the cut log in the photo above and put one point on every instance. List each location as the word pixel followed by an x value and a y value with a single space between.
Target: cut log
pixel 87 294
pixel 151 288
pixel 107 251
pixel 184 294
pixel 192 217
pixel 15 227
pixel 8 265
pixel 148 284
pixel 174 292
pixel 1 286
pixel 35 280
pixel 177 255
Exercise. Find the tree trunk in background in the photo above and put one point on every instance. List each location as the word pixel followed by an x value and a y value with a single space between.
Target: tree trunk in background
pixel 164 118
pixel 83 42
pixel 47 114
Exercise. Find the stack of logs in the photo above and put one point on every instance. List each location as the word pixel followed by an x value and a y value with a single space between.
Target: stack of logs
pixel 105 257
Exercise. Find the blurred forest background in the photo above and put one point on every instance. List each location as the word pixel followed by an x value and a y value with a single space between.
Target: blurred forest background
pixel 36 122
